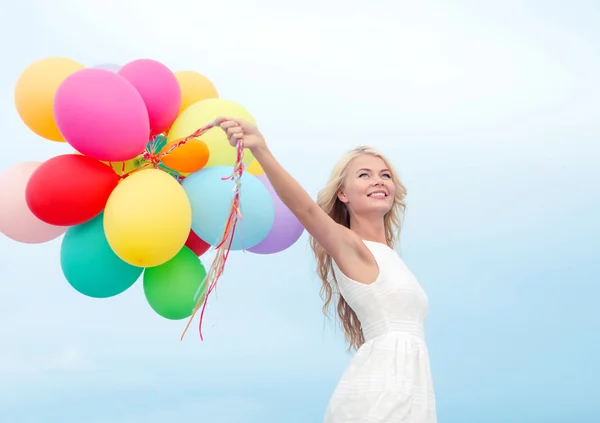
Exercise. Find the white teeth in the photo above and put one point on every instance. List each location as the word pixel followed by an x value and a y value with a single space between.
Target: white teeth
pixel 377 194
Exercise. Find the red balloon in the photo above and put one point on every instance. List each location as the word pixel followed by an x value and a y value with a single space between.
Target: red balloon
pixel 196 244
pixel 70 189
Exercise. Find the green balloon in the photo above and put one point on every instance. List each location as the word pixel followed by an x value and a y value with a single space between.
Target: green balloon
pixel 91 266
pixel 172 289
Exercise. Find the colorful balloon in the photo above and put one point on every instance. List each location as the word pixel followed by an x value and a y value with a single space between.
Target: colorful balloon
pixel 91 266
pixel 202 113
pixel 158 87
pixel 69 189
pixel 127 166
pixel 210 197
pixel 197 245
pixel 194 87
pixel 147 218
pixel 286 229
pixel 255 168
pixel 35 92
pixel 188 158
pixel 173 288
pixel 16 220
pixel 102 115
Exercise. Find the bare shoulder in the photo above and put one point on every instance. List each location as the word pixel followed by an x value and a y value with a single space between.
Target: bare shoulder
pixel 355 259
pixel 343 245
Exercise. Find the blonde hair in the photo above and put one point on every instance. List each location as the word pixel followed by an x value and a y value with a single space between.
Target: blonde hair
pixel 328 200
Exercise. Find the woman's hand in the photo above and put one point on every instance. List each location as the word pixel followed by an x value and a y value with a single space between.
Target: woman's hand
pixel 237 129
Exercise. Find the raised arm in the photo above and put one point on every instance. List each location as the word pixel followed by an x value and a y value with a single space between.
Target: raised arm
pixel 335 239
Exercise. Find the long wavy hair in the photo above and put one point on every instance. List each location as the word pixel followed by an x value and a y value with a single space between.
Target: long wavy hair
pixel 328 200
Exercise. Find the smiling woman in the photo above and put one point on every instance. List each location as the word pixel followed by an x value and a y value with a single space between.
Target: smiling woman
pixel 353 225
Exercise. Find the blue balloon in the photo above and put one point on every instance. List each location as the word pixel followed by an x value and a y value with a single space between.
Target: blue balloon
pixel 210 197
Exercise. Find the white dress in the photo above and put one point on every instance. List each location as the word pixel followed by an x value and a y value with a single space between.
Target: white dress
pixel 389 378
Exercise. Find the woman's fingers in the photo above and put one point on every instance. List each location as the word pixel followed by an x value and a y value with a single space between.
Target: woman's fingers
pixel 221 120
pixel 232 128
pixel 235 131
pixel 228 124
pixel 234 134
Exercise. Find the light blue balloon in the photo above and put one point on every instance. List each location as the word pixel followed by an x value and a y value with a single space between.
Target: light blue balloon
pixel 210 197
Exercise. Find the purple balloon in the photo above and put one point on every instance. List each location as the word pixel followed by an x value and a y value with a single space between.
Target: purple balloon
pixel 286 227
pixel 109 67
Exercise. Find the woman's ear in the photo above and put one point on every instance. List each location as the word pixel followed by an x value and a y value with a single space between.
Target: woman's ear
pixel 342 197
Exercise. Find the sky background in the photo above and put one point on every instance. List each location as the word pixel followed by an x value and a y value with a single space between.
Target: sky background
pixel 490 111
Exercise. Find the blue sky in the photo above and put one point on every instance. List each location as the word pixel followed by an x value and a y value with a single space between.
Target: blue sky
pixel 489 110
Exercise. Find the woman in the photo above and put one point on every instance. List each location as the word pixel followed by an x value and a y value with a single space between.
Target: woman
pixel 382 308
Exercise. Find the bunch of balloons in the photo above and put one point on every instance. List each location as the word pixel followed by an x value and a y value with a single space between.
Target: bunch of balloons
pixel 138 194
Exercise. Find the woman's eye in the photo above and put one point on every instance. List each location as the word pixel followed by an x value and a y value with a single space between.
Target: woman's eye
pixel 363 174
pixel 387 176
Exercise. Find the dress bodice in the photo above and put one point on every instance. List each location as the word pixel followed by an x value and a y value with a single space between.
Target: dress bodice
pixel 395 302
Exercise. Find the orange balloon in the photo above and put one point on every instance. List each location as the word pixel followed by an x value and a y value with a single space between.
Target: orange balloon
pixel 194 87
pixel 35 91
pixel 190 157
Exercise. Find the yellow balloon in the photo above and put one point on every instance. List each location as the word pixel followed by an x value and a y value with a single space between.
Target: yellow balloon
pixel 202 113
pixel 35 91
pixel 127 166
pixel 194 87
pixel 122 168
pixel 147 218
pixel 255 168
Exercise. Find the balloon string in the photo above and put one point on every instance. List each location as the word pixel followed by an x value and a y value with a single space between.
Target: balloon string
pixel 224 247
pixel 154 159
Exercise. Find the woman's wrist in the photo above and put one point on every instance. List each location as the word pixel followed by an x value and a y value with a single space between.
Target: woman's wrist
pixel 259 150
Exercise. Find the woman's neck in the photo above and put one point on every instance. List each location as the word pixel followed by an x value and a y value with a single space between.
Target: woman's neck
pixel 369 228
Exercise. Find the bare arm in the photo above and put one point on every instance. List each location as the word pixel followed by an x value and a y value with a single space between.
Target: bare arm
pixel 335 239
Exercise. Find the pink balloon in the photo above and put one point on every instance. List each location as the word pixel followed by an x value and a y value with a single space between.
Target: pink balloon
pixel 102 115
pixel 159 88
pixel 16 221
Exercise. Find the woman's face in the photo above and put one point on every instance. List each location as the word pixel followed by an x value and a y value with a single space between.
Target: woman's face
pixel 368 188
